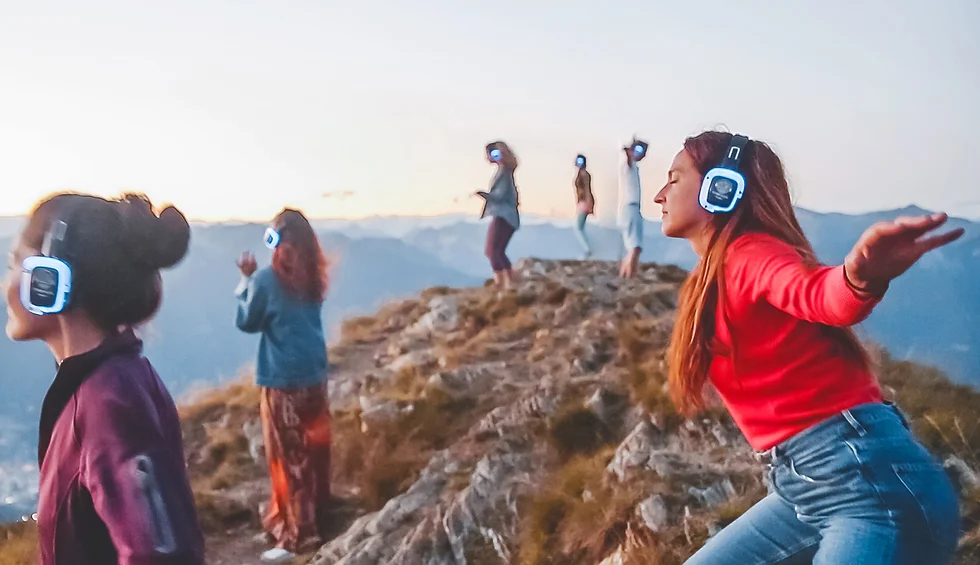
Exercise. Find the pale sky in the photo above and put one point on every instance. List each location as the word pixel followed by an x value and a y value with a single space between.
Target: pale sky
pixel 232 110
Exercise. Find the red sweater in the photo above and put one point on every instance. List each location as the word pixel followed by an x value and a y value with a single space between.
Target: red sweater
pixel 790 373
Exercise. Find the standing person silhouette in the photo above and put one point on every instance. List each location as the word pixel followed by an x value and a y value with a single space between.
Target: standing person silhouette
pixel 284 303
pixel 584 204
pixel 630 218
pixel 769 326
pixel 501 203
pixel 83 274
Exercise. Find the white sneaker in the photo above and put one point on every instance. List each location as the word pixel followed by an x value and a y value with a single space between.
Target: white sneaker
pixel 278 555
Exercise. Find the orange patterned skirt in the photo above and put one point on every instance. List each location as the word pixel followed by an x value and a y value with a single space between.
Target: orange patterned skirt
pixel 297 434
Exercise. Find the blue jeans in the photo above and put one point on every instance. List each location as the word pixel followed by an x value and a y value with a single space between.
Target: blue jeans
pixel 856 489
pixel 583 239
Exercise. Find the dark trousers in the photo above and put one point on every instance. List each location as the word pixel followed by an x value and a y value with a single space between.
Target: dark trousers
pixel 498 236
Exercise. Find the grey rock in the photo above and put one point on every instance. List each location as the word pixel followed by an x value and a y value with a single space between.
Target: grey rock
pixel 634 452
pixel 252 429
pixel 653 512
pixel 443 316
pixel 714 527
pixel 467 381
pixel 376 411
pixel 411 359
pixel 715 495
pixel 966 478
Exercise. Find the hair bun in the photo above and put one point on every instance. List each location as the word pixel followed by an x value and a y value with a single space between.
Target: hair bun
pixel 158 242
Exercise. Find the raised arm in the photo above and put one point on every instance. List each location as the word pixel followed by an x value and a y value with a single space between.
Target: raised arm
pixel 253 303
pixel 761 267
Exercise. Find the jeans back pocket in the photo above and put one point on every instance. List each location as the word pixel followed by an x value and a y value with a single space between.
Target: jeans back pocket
pixel 934 500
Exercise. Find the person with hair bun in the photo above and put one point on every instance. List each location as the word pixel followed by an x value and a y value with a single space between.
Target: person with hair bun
pixel 284 303
pixel 83 274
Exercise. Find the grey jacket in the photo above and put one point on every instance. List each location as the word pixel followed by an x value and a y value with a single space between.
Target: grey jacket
pixel 502 200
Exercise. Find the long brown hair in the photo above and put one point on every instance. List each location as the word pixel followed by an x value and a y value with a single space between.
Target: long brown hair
pixel 766 207
pixel 298 261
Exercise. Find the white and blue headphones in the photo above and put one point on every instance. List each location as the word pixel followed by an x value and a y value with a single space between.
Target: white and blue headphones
pixel 723 186
pixel 272 238
pixel 639 148
pixel 45 283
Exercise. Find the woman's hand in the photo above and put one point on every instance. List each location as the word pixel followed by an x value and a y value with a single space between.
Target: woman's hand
pixel 246 264
pixel 888 249
pixel 629 155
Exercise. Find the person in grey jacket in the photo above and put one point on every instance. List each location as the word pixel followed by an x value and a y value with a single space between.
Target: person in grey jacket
pixel 501 203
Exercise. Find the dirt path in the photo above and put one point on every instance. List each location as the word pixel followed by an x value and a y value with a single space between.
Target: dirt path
pixel 242 545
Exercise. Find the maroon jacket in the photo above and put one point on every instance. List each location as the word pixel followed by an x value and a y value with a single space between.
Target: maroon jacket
pixel 114 487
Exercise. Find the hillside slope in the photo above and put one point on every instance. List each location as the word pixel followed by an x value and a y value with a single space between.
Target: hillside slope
pixel 534 427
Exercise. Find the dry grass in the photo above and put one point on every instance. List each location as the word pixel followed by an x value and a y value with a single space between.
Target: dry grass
pixel 240 394
pixel 576 430
pixel 395 315
pixel 943 414
pixel 384 461
pixel 432 292
pixel 359 330
pixel 641 346
pixel 18 544
pixel 577 516
pixel 970 543
pixel 217 451
pixel 494 319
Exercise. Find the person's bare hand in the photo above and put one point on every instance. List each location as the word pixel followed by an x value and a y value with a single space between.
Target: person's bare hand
pixel 888 249
pixel 246 264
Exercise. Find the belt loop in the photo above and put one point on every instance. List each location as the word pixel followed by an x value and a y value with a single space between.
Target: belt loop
pixel 854 423
pixel 898 412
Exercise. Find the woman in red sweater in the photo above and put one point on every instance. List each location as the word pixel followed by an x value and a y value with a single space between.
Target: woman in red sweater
pixel 769 327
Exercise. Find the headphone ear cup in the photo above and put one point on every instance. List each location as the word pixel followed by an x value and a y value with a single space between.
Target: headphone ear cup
pixel 725 196
pixel 45 286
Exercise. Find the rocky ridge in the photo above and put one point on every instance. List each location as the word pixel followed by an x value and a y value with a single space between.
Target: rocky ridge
pixel 557 441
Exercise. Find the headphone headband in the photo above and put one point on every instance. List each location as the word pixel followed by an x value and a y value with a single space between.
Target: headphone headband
pixel 54 239
pixel 46 280
pixel 734 154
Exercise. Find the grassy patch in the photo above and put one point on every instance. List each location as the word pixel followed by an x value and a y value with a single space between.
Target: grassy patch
pixel 362 329
pixel 18 544
pixel 641 346
pixel 217 452
pixel 386 459
pixel 943 414
pixel 577 430
pixel 577 516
